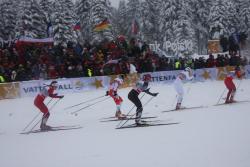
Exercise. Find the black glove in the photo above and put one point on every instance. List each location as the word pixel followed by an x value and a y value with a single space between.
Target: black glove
pixel 147 90
pixel 107 93
pixel 61 97
pixel 115 93
pixel 155 94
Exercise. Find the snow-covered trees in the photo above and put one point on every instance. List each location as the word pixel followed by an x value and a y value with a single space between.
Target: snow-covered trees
pixel 150 20
pixel 133 16
pixel 176 27
pixel 183 29
pixel 46 7
pixel 7 19
pixel 100 11
pixel 38 21
pixel 30 20
pixel 83 9
pixel 243 8
pixel 63 22
pixel 121 18
pixel 172 21
pixel 223 18
pixel 167 16
pixel 200 13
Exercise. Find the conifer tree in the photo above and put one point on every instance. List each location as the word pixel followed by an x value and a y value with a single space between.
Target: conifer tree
pixel 133 15
pixel 200 13
pixel 63 22
pixel 222 19
pixel 83 11
pixel 100 11
pixel 183 30
pixel 120 17
pixel 7 19
pixel 150 19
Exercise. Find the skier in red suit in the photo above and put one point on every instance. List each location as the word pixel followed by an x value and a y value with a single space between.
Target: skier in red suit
pixel 112 92
pixel 231 88
pixel 39 103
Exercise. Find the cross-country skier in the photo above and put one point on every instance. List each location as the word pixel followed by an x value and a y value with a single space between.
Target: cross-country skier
pixel 39 103
pixel 141 86
pixel 228 81
pixel 113 88
pixel 187 74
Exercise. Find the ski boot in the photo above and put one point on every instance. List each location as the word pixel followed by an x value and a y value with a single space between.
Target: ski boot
pixel 178 106
pixel 44 127
pixel 139 122
pixel 232 101
pixel 119 115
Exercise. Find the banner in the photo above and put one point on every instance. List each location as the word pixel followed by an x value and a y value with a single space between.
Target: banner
pixel 9 91
pixel 91 83
pixel 247 71
pixel 205 74
pixel 79 85
pixel 33 40
pixel 31 88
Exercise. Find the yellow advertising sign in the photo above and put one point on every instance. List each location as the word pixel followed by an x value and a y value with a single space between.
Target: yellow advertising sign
pixel 9 91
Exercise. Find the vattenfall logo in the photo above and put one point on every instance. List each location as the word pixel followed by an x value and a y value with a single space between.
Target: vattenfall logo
pixel 163 78
pixel 36 89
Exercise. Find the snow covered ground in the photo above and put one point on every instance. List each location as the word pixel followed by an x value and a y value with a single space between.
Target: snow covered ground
pixel 212 136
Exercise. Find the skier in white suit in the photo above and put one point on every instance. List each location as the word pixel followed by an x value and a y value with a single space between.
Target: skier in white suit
pixel 187 74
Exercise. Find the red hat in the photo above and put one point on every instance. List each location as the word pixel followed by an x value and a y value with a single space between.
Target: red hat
pixel 53 83
pixel 147 77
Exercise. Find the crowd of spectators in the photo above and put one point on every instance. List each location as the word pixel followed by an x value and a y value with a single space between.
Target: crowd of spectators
pixel 22 62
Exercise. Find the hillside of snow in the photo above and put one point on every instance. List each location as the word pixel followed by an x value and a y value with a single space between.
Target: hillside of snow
pixel 209 136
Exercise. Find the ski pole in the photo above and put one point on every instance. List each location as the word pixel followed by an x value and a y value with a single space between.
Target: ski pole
pixel 239 84
pixel 130 111
pixel 35 117
pixel 84 102
pixel 135 113
pixel 89 105
pixel 238 87
pixel 174 100
pixel 45 114
pixel 188 89
pixel 221 96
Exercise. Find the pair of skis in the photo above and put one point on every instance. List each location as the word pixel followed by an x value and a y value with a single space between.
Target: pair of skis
pixel 243 101
pixel 113 119
pixel 55 128
pixel 185 108
pixel 145 122
pixel 197 107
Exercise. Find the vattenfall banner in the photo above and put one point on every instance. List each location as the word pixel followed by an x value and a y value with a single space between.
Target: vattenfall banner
pixel 32 88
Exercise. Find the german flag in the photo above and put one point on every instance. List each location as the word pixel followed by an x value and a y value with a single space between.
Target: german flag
pixel 102 26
